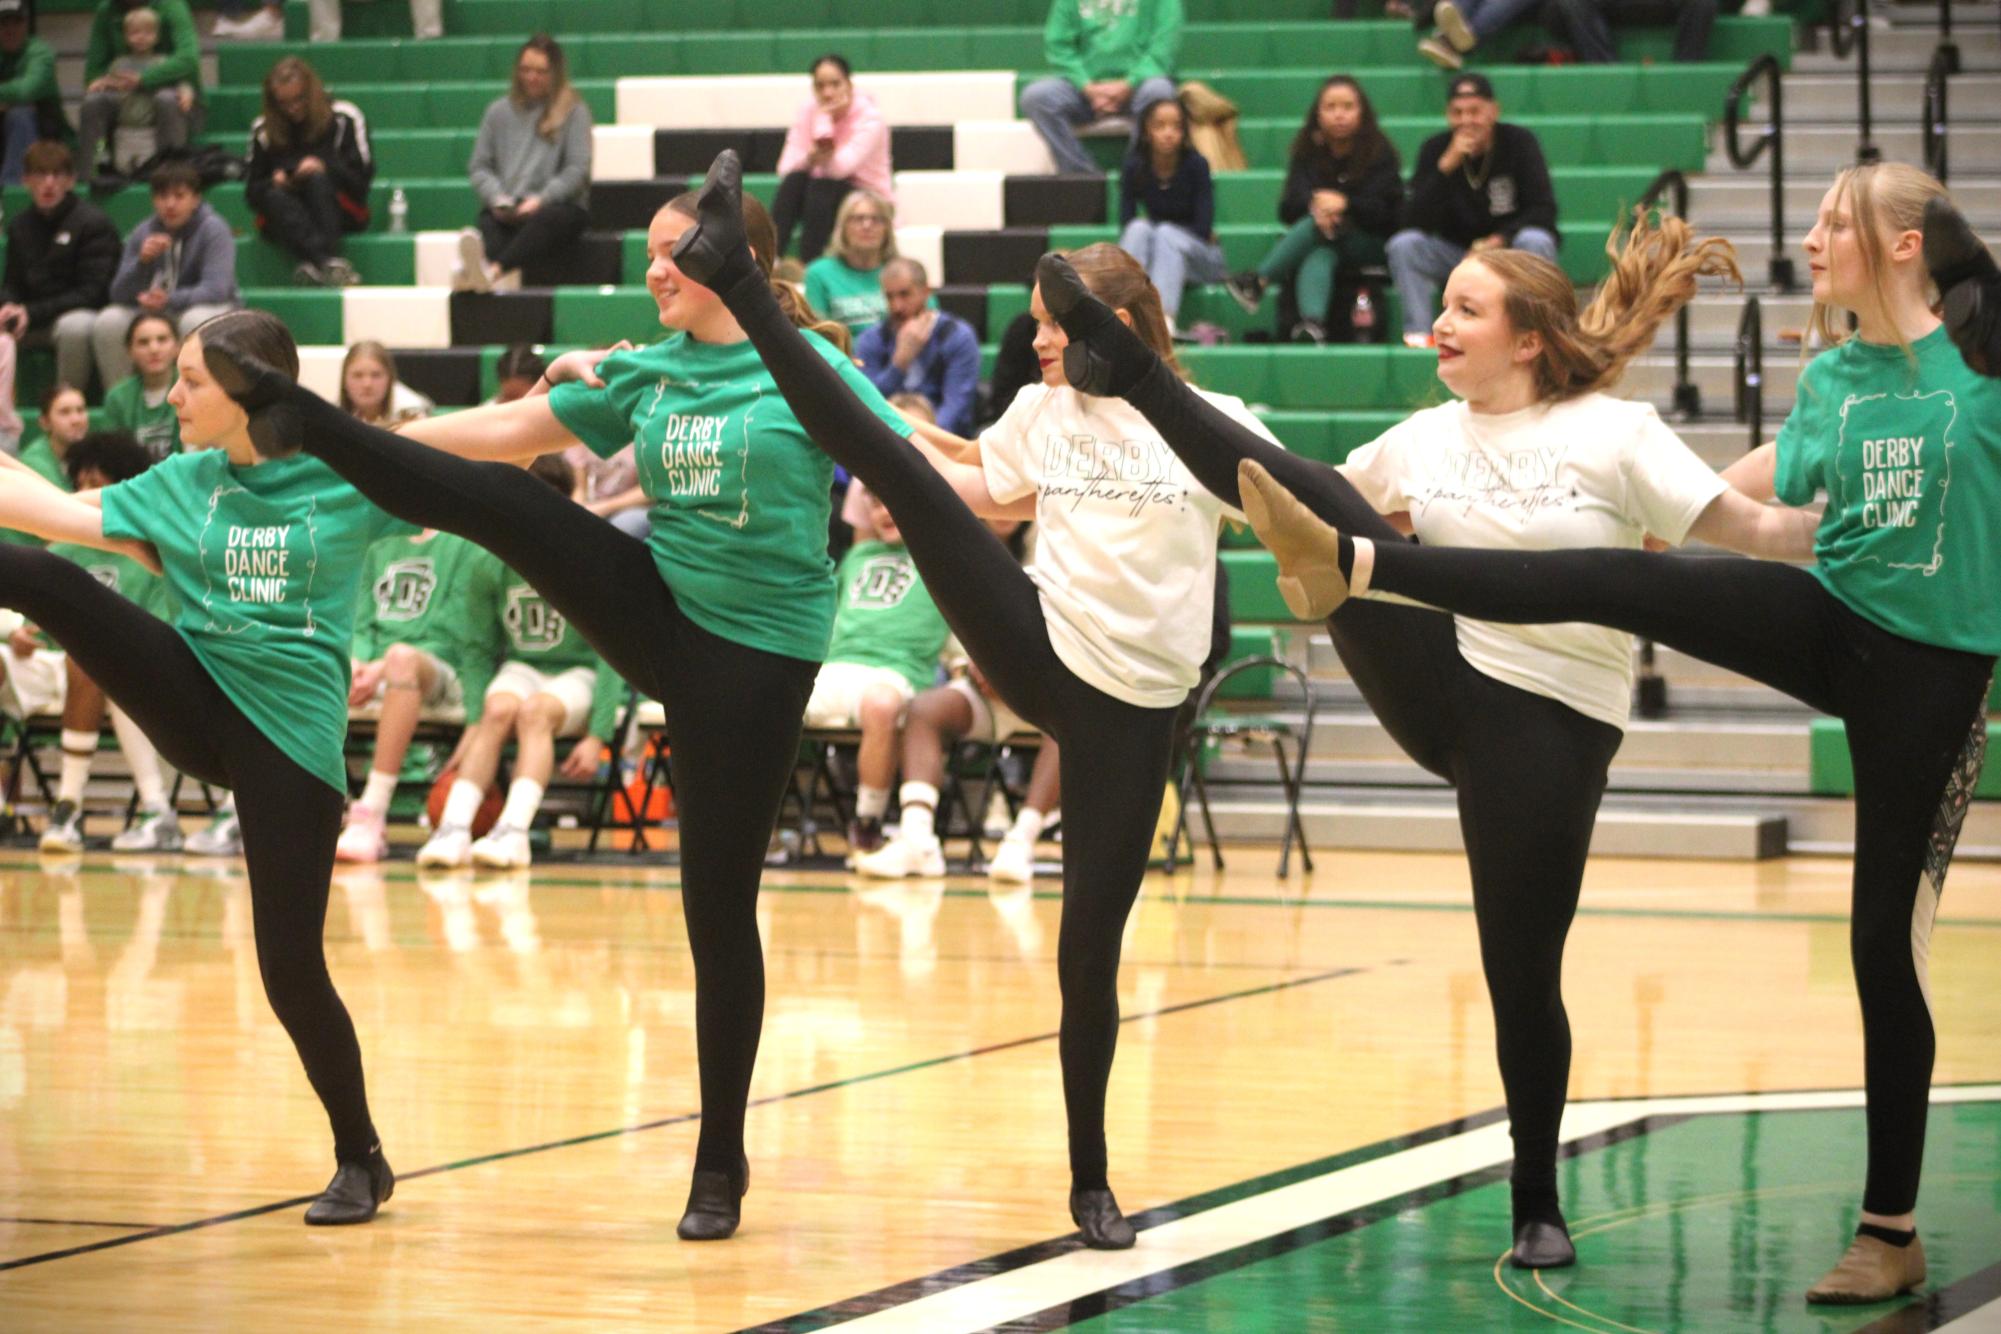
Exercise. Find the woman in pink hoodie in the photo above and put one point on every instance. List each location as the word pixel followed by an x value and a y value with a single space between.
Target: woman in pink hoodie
pixel 838 142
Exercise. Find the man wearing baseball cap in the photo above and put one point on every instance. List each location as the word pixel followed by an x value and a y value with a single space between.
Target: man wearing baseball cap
pixel 1481 185
pixel 31 105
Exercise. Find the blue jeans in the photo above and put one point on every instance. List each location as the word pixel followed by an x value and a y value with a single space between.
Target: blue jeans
pixel 1056 106
pixel 1421 262
pixel 23 128
pixel 1487 17
pixel 1171 256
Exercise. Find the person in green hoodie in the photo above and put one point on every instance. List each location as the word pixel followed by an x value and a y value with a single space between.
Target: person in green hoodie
pixel 553 684
pixel 262 549
pixel 1113 58
pixel 138 403
pixel 105 88
pixel 32 103
pixel 421 642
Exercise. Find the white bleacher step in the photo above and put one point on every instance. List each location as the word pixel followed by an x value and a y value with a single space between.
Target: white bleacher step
pixel 1653 376
pixel 754 101
pixel 1414 824
pixel 1825 149
pixel 1893 98
pixel 1727 201
pixel 1907 49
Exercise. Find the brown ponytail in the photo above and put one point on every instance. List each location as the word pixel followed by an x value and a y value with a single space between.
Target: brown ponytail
pixel 763 238
pixel 1120 281
pixel 1654 268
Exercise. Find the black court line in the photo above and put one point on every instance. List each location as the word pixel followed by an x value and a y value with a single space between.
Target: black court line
pixel 78 1222
pixel 171 1229
pixel 1938 1309
pixel 901 1294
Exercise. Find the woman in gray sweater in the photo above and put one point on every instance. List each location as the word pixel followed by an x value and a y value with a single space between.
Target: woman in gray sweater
pixel 532 168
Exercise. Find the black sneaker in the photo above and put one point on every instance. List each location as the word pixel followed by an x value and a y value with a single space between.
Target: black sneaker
pixel 1247 290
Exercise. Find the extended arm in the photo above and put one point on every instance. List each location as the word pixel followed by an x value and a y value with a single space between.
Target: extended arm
pixel 1771 532
pixel 496 433
pixel 1756 474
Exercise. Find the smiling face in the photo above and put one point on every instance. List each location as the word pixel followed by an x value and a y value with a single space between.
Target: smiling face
pixel 683 302
pixel 152 345
pixel 1050 340
pixel 1478 348
pixel 208 416
pixel 880 519
pixel 1475 115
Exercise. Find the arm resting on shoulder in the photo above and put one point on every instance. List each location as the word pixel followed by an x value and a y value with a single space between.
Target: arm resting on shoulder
pixel 1769 532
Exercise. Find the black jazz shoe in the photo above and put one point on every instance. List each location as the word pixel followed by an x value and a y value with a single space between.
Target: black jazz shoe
pixel 1542 1245
pixel 357 1190
pixel 715 1205
pixel 1097 1216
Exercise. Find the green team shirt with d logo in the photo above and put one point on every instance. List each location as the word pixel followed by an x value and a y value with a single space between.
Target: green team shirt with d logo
pixel 122 575
pixel 740 493
pixel 266 564
pixel 886 617
pixel 539 635
pixel 1911 463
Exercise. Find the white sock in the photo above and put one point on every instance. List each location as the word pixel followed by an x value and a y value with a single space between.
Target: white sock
pixel 871 802
pixel 141 758
pixel 1365 565
pixel 462 803
pixel 524 798
pixel 1027 826
pixel 79 749
pixel 920 804
pixel 375 797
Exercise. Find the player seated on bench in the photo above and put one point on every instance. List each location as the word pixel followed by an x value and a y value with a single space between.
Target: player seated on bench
pixel 887 637
pixel 552 684
pixel 425 642
pixel 43 680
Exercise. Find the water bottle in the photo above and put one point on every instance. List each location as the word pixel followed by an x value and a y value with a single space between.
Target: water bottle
pixel 399 211
pixel 1363 318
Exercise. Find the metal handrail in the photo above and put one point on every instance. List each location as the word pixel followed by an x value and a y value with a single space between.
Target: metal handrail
pixel 1933 114
pixel 1772 141
pixel 1750 368
pixel 1848 30
pixel 1687 394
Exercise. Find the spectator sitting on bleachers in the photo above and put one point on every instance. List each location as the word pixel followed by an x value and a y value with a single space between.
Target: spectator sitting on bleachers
pixel 309 172
pixel 1113 57
pixel 517 373
pixel 180 263
pixel 922 350
pixel 106 85
pixel 1482 185
pixel 427 19
pixel 137 110
pixel 845 282
pixel 61 254
pixel 531 167
pixel 1343 192
pixel 552 684
pixel 425 638
pixel 138 403
pixel 1585 26
pixel 1463 25
pixel 1167 207
pixel 370 390
pixel 885 646
pixel 838 142
pixel 609 488
pixel 65 420
pixel 97 460
pixel 29 95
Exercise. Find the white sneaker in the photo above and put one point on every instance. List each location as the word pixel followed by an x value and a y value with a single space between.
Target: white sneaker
pixel 504 849
pixel 65 829
pixel 261 25
pixel 157 831
pixel 223 838
pixel 1013 861
pixel 363 839
pixel 470 275
pixel 450 847
pixel 900 857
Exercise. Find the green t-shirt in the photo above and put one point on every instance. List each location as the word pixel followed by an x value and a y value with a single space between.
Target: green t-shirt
pixel 122 575
pixel 885 617
pixel 435 593
pixel 41 457
pixel 848 296
pixel 266 563
pixel 1134 40
pixel 126 409
pixel 740 494
pixel 539 635
pixel 1912 468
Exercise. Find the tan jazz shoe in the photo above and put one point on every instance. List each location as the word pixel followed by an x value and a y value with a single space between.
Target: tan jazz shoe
pixel 1308 550
pixel 1872 1271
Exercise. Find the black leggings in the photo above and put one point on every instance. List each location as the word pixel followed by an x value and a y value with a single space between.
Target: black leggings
pixel 812 199
pixel 1113 755
pixel 308 218
pixel 1529 772
pixel 517 244
pixel 1914 715
pixel 290 817
pixel 732 711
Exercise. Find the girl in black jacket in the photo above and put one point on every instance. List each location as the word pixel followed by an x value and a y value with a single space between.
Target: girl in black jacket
pixel 1343 191
pixel 310 169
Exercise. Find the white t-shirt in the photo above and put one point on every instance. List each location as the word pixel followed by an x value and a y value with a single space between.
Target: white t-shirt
pixel 1591 472
pixel 1126 560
